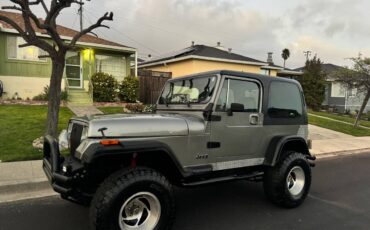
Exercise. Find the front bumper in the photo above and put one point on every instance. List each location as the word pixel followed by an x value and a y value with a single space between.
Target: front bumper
pixel 53 162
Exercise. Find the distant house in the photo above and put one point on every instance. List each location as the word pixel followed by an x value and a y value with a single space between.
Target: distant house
pixel 25 75
pixel 337 95
pixel 201 58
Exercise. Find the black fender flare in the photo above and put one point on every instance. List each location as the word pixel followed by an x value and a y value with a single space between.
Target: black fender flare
pixel 277 144
pixel 96 151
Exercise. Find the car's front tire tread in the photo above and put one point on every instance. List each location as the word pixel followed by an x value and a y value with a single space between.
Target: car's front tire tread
pixel 105 204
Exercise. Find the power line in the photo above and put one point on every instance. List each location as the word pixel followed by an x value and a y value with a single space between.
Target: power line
pixel 74 21
pixel 125 35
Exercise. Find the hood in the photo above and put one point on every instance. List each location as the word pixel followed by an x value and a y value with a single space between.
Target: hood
pixel 144 125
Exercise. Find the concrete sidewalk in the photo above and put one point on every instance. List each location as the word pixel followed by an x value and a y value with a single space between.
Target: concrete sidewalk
pixel 22 180
pixel 327 142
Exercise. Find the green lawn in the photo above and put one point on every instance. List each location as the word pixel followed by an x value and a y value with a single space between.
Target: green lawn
pixel 20 125
pixel 337 126
pixel 341 118
pixel 111 110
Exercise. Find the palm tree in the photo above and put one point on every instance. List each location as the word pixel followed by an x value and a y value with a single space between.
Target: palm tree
pixel 285 55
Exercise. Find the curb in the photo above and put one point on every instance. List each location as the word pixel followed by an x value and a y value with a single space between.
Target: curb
pixel 342 153
pixel 30 185
pixel 22 190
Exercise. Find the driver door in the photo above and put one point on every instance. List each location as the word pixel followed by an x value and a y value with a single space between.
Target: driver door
pixel 235 139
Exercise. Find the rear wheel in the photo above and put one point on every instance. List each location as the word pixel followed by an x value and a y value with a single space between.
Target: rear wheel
pixel 287 183
pixel 138 199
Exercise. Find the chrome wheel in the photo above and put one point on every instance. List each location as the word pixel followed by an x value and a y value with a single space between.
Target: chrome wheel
pixel 140 211
pixel 295 180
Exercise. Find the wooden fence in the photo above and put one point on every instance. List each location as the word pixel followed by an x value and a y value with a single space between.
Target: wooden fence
pixel 151 84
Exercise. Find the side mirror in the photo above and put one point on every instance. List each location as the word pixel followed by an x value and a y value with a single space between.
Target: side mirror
pixel 235 107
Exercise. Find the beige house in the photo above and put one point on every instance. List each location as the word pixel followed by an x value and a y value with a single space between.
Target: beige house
pixel 202 58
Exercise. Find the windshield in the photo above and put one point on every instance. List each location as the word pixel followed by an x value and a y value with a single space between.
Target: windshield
pixel 190 90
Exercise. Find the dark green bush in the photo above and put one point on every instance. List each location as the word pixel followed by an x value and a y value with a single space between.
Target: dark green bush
pixel 105 87
pixel 129 89
pixel 44 96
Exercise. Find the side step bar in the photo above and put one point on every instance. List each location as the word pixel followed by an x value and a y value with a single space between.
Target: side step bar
pixel 257 176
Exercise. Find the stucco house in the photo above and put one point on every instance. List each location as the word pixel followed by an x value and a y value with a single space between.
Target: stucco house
pixel 201 58
pixel 25 75
pixel 337 95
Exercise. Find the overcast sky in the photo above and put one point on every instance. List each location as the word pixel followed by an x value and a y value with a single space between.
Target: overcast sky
pixel 332 29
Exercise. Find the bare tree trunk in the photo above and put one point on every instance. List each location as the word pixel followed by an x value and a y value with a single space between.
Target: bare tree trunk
pixel 284 63
pixel 54 96
pixel 363 106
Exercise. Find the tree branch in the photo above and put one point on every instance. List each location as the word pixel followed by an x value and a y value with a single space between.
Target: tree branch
pixel 107 17
pixel 42 3
pixel 13 24
pixel 24 45
pixel 11 8
pixel 44 56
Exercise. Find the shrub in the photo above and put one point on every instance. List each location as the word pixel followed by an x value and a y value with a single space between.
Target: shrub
pixel 44 96
pixel 105 87
pixel 149 108
pixel 129 89
pixel 135 108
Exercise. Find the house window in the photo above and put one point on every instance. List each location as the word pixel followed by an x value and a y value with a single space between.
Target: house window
pixel 337 90
pixel 352 92
pixel 29 53
pixel 265 72
pixel 113 65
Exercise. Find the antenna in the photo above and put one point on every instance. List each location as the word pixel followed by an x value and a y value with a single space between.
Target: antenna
pixel 307 54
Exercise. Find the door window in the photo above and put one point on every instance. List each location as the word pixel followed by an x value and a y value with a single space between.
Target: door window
pixel 242 92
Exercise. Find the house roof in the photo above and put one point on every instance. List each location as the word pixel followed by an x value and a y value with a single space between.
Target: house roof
pixel 63 31
pixel 202 52
pixel 281 71
pixel 327 68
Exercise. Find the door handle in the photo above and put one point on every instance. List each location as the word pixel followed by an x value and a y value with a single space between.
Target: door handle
pixel 254 119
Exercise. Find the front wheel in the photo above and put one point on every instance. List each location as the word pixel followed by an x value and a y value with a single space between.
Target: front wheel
pixel 287 183
pixel 133 199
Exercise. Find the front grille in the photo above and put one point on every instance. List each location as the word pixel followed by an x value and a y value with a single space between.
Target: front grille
pixel 75 138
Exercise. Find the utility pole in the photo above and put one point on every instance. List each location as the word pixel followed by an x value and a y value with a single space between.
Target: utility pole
pixel 80 12
pixel 307 54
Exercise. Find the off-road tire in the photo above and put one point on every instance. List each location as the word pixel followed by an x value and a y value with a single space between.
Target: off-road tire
pixel 275 180
pixel 120 186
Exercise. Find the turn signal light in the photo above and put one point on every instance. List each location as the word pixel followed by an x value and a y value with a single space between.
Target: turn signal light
pixel 109 142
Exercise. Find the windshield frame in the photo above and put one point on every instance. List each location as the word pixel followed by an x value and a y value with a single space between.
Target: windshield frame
pixel 215 90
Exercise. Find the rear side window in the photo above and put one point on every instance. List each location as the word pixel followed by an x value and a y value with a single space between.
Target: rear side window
pixel 285 100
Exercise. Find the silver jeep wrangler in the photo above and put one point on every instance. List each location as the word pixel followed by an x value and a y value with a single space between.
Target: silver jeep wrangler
pixel 210 127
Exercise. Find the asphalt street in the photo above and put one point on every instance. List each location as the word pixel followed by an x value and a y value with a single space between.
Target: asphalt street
pixel 339 199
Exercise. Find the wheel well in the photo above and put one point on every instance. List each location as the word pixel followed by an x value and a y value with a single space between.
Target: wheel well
pixel 158 160
pixel 296 145
pixel 162 162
